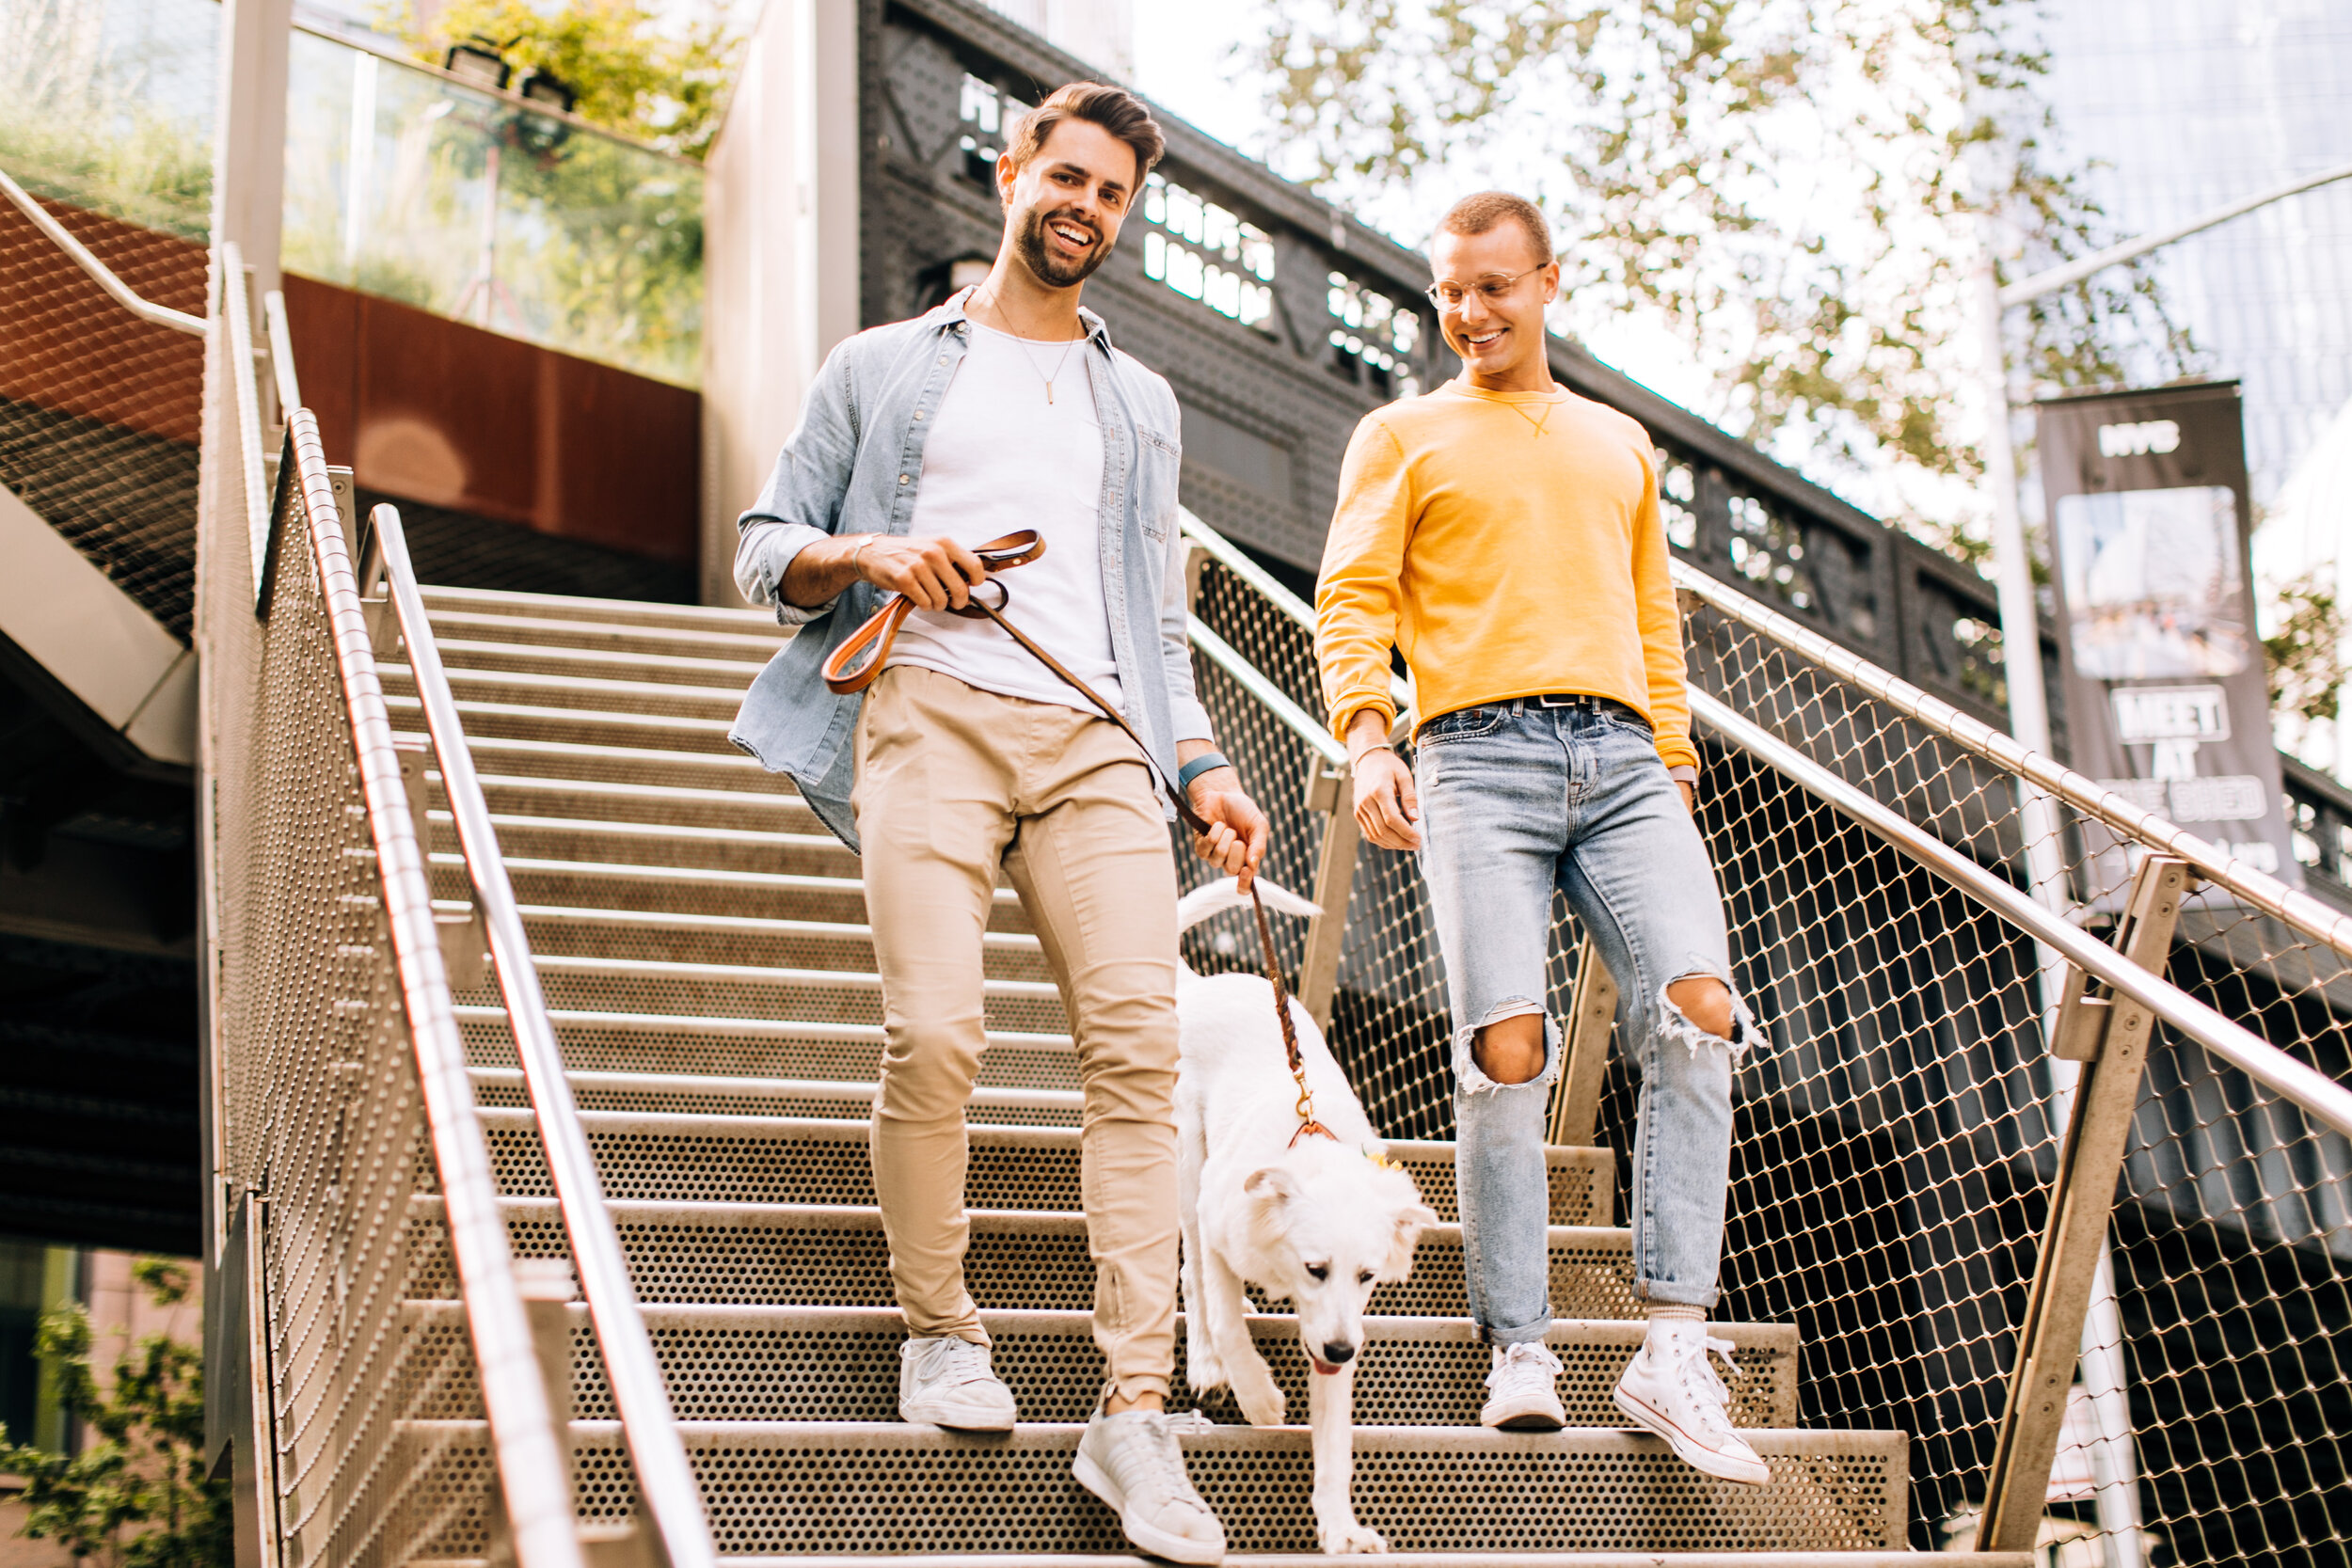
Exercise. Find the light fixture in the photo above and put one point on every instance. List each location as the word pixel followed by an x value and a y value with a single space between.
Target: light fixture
pixel 546 90
pixel 477 60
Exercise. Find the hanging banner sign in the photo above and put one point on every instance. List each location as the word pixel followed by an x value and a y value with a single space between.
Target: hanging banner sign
pixel 2166 698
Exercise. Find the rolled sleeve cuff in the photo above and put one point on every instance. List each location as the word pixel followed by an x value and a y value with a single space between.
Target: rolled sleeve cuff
pixel 1350 704
pixel 769 550
pixel 1678 752
pixel 1190 719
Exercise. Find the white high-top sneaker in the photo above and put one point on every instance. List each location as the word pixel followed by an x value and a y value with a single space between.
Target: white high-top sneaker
pixel 1670 1389
pixel 948 1382
pixel 1523 1390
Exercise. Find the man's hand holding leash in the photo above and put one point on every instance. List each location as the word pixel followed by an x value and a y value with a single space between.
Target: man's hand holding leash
pixel 1236 839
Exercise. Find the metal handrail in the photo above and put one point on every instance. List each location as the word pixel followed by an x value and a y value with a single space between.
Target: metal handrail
pixel 101 274
pixel 2318 1095
pixel 2256 889
pixel 1223 551
pixel 665 1478
pixel 533 1463
pixel 2314 1091
pixel 1270 696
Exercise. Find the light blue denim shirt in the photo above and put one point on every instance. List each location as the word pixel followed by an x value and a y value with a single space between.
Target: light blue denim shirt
pixel 854 465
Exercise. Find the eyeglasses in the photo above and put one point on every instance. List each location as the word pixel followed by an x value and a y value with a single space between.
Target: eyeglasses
pixel 1494 291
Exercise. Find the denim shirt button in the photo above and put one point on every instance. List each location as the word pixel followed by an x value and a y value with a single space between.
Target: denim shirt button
pixel 918 413
pixel 943 358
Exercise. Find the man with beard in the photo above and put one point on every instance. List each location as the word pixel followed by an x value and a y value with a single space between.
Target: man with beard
pixel 1007 409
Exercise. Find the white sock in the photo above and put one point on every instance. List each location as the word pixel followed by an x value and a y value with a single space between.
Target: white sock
pixel 1665 1315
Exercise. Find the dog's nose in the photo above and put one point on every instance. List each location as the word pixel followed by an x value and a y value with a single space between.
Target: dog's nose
pixel 1338 1354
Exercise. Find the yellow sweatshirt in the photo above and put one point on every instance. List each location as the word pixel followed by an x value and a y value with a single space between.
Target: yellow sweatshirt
pixel 1500 562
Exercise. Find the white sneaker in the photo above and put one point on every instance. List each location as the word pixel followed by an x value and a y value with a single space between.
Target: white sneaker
pixel 947 1381
pixel 1132 1461
pixel 1670 1389
pixel 1523 1389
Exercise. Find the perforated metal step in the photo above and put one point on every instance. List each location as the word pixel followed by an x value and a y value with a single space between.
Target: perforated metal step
pixel 697 643
pixel 748 1047
pixel 700 937
pixel 602 613
pixel 487 655
pixel 689 890
pixel 779 1488
pixel 754 990
pixel 788 1255
pixel 536 721
pixel 668 805
pixel 833 1363
pixel 844 1098
pixel 771 1158
pixel 575 759
pixel 1398 1560
pixel 607 691
pixel 726 849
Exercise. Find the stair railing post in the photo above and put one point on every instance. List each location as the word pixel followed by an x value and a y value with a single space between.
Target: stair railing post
pixel 1331 791
pixel 2110 1036
pixel 1591 1016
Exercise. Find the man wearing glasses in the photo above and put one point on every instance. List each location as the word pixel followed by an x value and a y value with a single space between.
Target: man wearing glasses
pixel 1503 534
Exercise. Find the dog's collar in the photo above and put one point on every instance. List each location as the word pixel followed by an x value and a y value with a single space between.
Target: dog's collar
pixel 1308 1124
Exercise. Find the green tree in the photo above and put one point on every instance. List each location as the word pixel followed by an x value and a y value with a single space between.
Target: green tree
pixel 137 1497
pixel 1790 189
pixel 2303 652
pixel 666 87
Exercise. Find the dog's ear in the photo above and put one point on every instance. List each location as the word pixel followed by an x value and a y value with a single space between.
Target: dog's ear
pixel 1271 1186
pixel 1410 1221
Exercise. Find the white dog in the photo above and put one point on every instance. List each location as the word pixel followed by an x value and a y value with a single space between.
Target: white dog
pixel 1318 1221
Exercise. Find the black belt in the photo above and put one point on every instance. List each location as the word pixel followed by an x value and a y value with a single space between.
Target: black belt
pixel 1584 699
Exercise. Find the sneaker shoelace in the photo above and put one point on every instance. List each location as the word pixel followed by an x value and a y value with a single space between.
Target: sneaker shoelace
pixel 1160 1463
pixel 1698 1374
pixel 959 1361
pixel 1526 1360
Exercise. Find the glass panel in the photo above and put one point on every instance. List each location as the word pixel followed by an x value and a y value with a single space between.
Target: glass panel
pixel 463 203
pixel 109 106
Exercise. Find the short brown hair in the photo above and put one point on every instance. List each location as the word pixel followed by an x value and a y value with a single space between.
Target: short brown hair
pixel 1476 214
pixel 1116 110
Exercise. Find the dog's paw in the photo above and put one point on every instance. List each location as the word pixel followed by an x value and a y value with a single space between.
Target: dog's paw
pixel 1261 1398
pixel 1346 1537
pixel 1202 1370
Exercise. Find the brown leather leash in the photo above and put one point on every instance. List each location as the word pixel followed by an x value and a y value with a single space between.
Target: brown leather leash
pixel 858 662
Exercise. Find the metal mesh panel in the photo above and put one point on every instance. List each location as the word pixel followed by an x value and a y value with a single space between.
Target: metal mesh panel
pixel 317 1098
pixel 1895 1137
pixel 99 410
pixel 852 1488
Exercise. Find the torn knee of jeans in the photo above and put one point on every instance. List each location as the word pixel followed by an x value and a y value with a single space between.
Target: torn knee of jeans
pixel 1675 1025
pixel 1474 1078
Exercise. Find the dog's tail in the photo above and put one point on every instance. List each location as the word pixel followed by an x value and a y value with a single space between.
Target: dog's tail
pixel 1225 894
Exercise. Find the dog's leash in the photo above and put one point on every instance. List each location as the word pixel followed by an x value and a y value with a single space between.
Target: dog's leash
pixel 856 664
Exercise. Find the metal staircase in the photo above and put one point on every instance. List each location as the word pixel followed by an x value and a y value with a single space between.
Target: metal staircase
pixel 700 940
pixel 568 1259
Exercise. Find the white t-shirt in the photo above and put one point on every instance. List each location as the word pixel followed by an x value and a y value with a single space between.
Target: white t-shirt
pixel 1000 458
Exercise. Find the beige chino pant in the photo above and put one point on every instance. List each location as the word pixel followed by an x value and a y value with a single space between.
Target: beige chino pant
pixel 953 782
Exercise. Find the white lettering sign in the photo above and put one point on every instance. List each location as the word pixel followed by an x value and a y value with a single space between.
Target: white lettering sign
pixel 2152 713
pixel 2234 797
pixel 2138 440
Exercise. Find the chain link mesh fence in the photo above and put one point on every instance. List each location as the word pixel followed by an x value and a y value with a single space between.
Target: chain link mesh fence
pixel 1897 1133
pixel 99 410
pixel 372 1447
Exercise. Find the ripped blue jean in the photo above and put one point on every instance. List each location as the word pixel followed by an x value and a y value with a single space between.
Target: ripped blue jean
pixel 1517 799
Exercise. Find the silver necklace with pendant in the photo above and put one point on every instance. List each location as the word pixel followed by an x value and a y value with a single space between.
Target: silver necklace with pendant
pixel 998 306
